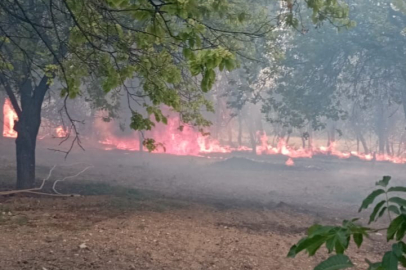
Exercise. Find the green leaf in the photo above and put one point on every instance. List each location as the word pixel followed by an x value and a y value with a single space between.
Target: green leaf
pixel 390 261
pixel 358 238
pixel 394 209
pixel 382 212
pixel 384 182
pixel 397 189
pixel 370 199
pixel 375 211
pixel 397 200
pixel 341 243
pixel 241 17
pixel 330 244
pixel 311 244
pixel 374 266
pixel 401 232
pixel 394 227
pixel 187 53
pixel 335 262
pixel 339 247
pixel 397 249
pixel 402 261
pixel 313 229
pixel 221 66
pixel 229 64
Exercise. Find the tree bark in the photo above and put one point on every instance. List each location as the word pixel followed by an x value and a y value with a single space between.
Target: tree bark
pixel 27 128
pixel 25 150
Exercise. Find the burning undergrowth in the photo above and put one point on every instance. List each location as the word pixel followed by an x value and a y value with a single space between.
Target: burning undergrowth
pixel 178 139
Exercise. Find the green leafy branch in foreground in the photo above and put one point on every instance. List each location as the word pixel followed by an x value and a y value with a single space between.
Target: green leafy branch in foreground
pixel 337 238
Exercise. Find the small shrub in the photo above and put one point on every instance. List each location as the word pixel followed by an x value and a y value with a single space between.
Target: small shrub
pixel 337 238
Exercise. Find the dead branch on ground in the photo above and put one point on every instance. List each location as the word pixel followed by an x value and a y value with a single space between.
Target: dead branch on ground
pixel 38 189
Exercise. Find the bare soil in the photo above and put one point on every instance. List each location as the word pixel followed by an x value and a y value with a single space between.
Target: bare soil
pixel 140 211
pixel 105 232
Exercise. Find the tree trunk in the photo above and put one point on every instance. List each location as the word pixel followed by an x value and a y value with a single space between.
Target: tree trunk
pixel 253 142
pixel 331 134
pixel 310 138
pixel 230 133
pixel 2 100
pixel 380 128
pixel 364 143
pixel 141 141
pixel 239 129
pixel 388 149
pixel 288 138
pixel 27 128
pixel 360 137
pixel 404 100
pixel 253 139
pixel 25 149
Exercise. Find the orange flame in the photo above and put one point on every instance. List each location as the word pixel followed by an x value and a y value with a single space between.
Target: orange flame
pixel 187 141
pixel 9 117
pixel 191 142
pixel 60 132
pixel 289 162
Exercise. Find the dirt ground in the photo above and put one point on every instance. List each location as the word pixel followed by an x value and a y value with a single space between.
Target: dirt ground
pixel 164 212
pixel 104 232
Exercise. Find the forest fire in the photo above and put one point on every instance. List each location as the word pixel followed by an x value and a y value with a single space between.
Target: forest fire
pixel 9 117
pixel 189 141
pixel 60 132
pixel 172 139
pixel 290 162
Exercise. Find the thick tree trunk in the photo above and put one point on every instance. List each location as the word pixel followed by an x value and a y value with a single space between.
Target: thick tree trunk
pixel 25 149
pixel 27 128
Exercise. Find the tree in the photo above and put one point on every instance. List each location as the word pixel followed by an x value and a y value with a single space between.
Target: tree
pixel 328 74
pixel 171 48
